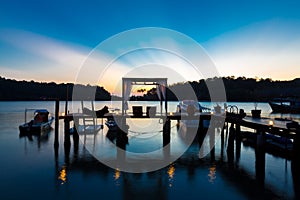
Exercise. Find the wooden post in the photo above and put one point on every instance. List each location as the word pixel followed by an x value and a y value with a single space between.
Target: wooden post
pixel 166 131
pixel 75 134
pixel 260 159
pixel 212 144
pixel 67 132
pixel 230 146
pixel 222 142
pixel 56 143
pixel 238 141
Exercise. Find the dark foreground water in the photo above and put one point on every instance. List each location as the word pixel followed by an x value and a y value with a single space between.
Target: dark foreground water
pixel 29 169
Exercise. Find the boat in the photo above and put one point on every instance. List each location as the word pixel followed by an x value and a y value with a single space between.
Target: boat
pixel 285 105
pixel 40 123
pixel 191 107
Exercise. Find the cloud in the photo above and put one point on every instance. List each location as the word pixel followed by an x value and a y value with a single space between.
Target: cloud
pixel 50 59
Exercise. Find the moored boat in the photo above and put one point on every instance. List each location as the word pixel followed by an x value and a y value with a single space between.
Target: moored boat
pixel 285 105
pixel 40 123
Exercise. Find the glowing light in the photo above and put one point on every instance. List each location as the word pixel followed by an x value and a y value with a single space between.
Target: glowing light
pixel 63 175
pixel 212 173
pixel 171 113
pixel 63 114
pixel 171 173
pixel 117 174
pixel 271 123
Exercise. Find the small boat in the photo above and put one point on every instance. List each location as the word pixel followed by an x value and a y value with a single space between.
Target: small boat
pixel 40 123
pixel 285 105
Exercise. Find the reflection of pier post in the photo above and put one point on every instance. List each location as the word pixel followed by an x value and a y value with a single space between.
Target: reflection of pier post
pixel 56 143
pixel 295 164
pixel 122 139
pixel 222 143
pixel 67 141
pixel 238 141
pixel 212 144
pixel 75 135
pixel 230 146
pixel 200 132
pixel 260 159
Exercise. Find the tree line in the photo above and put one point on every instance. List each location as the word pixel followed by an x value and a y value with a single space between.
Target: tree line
pixel 12 90
pixel 239 89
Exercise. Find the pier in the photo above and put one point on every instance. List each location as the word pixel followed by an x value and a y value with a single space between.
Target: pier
pixel 231 126
pixel 229 122
pixel 260 125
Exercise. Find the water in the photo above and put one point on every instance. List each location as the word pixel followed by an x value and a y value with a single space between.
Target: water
pixel 30 170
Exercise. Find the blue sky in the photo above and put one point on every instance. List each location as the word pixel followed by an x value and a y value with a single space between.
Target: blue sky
pixel 47 40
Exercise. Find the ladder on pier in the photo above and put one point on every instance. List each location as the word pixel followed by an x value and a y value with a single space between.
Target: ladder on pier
pixel 90 120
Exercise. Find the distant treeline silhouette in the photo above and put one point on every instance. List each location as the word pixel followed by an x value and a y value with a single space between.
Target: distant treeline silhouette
pixel 12 90
pixel 237 89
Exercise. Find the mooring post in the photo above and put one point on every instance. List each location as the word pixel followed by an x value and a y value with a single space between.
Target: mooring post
pixel 67 140
pixel 166 131
pixel 56 143
pixel 75 134
pixel 230 146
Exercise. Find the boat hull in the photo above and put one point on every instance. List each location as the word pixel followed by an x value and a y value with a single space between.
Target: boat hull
pixel 29 128
pixel 282 108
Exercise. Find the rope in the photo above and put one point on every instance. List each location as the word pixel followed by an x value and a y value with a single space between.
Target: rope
pixel 146 132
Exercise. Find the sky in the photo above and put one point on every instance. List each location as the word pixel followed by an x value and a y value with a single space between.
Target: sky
pixel 48 41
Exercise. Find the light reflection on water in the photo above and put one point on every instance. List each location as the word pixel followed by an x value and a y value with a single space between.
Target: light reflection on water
pixel 78 175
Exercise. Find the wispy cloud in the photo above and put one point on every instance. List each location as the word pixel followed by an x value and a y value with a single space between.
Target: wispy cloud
pixel 50 59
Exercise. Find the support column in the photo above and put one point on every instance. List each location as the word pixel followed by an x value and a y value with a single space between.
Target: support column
pixel 238 141
pixel 56 143
pixel 222 142
pixel 166 131
pixel 67 141
pixel 230 146
pixel 76 135
pixel 260 161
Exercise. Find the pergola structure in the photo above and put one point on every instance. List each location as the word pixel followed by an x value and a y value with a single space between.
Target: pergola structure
pixel 161 90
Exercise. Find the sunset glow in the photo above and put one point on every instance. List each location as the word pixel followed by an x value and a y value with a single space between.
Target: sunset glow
pixel 241 42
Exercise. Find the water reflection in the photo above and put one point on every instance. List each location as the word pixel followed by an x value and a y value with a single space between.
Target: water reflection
pixel 40 139
pixel 212 173
pixel 171 174
pixel 63 175
pixel 117 176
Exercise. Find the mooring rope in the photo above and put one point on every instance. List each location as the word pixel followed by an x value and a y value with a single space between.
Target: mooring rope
pixel 147 132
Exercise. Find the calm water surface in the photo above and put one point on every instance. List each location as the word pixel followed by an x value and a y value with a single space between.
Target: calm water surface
pixel 30 169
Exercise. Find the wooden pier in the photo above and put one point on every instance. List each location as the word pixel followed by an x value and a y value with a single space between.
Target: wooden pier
pixel 235 121
pixel 261 125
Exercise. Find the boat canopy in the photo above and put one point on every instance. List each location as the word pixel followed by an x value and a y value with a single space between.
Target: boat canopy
pixel 41 111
